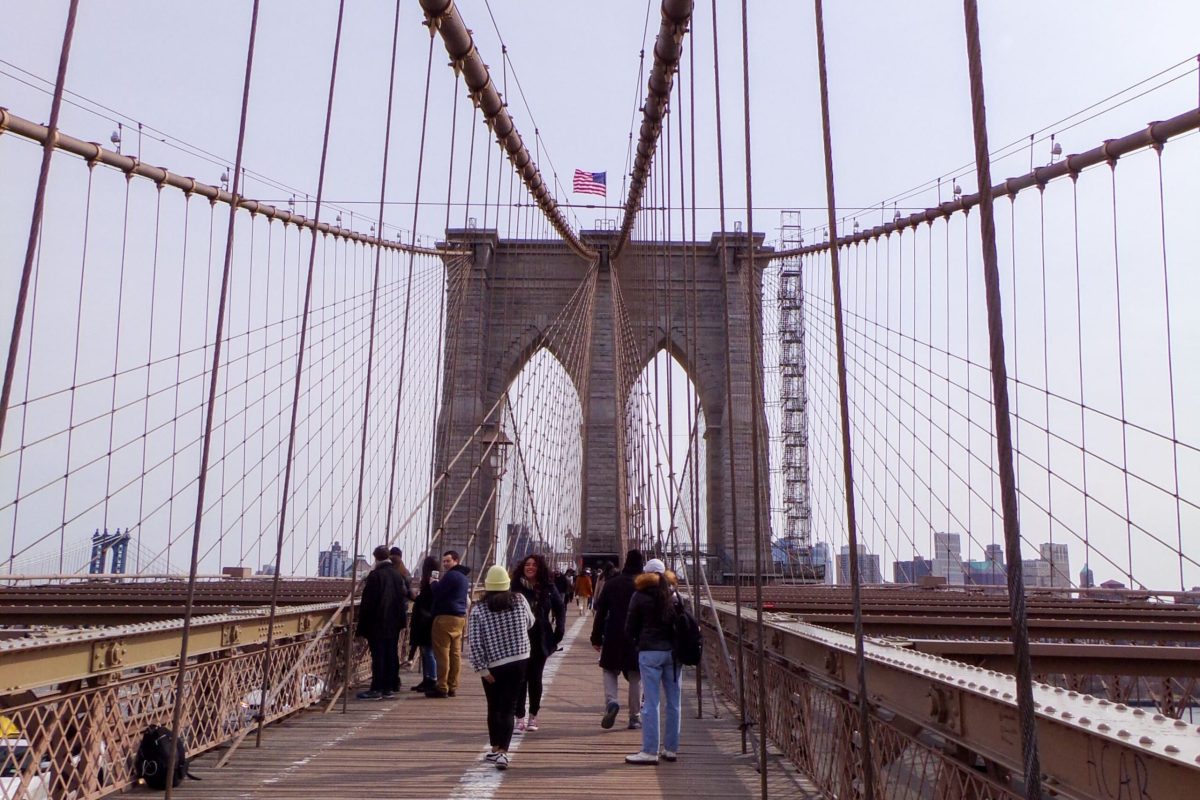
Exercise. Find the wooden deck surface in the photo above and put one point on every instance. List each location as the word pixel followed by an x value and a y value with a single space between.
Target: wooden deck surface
pixel 414 747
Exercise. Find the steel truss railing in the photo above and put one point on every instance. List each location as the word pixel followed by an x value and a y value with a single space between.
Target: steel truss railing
pixel 945 729
pixel 82 699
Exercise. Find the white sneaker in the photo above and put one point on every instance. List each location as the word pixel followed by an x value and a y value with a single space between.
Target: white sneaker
pixel 532 725
pixel 519 727
pixel 501 761
pixel 493 756
pixel 650 759
pixel 669 755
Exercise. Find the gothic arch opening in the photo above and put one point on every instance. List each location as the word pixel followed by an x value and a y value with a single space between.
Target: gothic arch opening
pixel 538 503
pixel 665 462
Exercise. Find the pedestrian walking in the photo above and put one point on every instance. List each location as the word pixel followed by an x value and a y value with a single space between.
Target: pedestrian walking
pixel 651 623
pixel 603 574
pixel 583 589
pixel 421 631
pixel 381 617
pixel 449 620
pixel 498 638
pixel 569 595
pixel 618 654
pixel 531 579
pixel 563 584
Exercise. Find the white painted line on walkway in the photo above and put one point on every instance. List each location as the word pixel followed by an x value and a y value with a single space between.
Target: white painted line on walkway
pixel 297 765
pixel 482 779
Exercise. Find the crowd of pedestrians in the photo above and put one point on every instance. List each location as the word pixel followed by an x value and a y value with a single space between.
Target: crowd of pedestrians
pixel 516 626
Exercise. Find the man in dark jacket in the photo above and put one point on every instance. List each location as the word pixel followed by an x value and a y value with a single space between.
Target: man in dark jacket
pixel 618 655
pixel 449 622
pixel 381 616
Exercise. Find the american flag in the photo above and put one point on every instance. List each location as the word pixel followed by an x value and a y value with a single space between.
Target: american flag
pixel 591 183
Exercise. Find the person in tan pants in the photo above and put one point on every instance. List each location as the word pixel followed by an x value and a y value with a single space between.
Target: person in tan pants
pixel 449 621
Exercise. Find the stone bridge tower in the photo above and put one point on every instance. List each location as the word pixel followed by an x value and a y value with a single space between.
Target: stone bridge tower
pixel 502 304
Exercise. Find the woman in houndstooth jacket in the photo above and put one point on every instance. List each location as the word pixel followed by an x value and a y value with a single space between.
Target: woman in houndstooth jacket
pixel 498 637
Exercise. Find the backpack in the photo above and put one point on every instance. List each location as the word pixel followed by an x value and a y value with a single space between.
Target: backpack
pixel 153 755
pixel 689 644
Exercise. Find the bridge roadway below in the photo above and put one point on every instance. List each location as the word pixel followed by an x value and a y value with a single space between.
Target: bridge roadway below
pixel 414 747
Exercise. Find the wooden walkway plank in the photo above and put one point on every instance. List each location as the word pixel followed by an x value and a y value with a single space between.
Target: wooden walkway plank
pixel 414 747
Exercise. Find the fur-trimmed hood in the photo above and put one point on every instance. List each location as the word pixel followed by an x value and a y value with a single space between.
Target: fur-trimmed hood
pixel 647 580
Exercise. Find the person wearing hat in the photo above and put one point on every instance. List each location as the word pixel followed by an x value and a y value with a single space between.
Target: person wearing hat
pixel 498 639
pixel 618 654
pixel 651 624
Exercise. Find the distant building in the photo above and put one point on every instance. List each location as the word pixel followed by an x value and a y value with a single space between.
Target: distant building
pixel 1111 584
pixel 985 573
pixel 947 557
pixel 266 569
pixel 989 572
pixel 1059 559
pixel 823 557
pixel 520 542
pixel 868 567
pixel 794 560
pixel 911 571
pixel 1087 578
pixel 1036 573
pixel 334 562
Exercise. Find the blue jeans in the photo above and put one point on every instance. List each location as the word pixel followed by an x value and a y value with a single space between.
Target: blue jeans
pixel 660 677
pixel 428 665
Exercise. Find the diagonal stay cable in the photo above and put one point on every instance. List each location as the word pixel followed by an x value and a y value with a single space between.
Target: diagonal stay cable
pixel 177 712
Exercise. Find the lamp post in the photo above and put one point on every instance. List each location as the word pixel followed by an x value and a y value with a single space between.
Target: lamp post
pixel 495 444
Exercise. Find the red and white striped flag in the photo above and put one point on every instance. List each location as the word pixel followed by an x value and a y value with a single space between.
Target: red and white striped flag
pixel 591 183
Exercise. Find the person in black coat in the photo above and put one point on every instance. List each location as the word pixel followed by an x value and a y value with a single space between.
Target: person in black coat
pixel 532 579
pixel 382 615
pixel 618 655
pixel 421 633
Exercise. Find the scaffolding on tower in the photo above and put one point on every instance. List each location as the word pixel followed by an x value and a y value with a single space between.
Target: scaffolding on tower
pixel 796 543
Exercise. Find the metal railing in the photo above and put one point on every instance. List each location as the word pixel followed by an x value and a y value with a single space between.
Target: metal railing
pixel 77 738
pixel 938 728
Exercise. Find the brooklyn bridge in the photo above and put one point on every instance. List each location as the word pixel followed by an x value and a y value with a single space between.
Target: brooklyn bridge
pixel 871 325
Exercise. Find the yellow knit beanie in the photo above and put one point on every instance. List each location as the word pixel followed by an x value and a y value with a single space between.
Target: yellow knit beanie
pixel 497 579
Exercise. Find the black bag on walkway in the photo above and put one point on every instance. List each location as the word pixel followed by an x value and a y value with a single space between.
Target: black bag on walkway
pixel 154 755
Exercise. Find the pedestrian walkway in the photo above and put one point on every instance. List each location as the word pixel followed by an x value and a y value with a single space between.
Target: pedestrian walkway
pixel 414 747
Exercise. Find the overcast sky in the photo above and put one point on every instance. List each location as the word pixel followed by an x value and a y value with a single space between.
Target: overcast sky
pixel 897 84
pixel 898 87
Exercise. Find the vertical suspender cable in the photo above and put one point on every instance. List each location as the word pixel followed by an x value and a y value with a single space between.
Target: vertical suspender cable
pixel 864 711
pixel 729 418
pixel 201 480
pixel 312 258
pixel 753 300
pixel 1008 484
pixel 408 299
pixel 690 309
pixel 35 222
pixel 362 463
